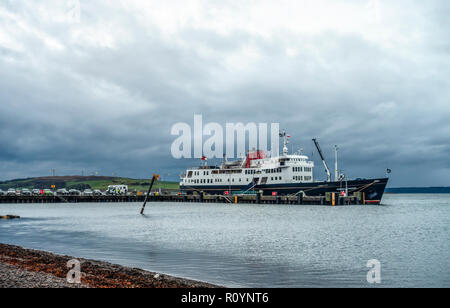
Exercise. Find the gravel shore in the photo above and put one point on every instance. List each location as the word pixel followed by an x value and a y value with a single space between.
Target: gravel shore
pixel 15 277
pixel 27 268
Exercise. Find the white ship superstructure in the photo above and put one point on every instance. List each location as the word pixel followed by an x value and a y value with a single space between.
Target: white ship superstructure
pixel 255 169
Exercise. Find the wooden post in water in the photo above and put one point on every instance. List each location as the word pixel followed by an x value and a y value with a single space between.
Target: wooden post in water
pixel 154 178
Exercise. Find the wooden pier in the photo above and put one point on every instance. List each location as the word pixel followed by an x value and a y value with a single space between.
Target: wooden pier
pixel 331 199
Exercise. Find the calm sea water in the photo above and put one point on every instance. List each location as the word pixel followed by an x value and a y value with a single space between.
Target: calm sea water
pixel 251 245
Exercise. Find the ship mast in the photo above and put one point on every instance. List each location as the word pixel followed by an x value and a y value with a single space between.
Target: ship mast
pixel 336 172
pixel 285 142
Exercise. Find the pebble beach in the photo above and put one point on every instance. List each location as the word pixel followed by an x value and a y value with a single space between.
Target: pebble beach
pixel 27 268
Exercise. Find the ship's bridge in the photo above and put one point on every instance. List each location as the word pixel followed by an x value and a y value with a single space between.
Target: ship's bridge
pixel 282 161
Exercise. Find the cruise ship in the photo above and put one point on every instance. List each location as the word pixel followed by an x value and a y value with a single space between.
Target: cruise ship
pixel 287 174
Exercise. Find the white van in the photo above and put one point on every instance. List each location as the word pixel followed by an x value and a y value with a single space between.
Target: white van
pixel 117 190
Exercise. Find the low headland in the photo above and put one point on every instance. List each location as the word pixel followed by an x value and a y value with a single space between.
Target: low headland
pixel 85 182
pixel 28 268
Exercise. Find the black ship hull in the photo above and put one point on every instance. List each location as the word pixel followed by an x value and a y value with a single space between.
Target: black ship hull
pixel 373 189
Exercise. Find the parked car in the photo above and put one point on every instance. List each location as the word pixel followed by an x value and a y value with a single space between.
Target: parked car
pixel 74 192
pixel 117 190
pixel 98 192
pixel 36 192
pixel 88 192
pixel 48 192
pixel 25 192
pixel 11 192
pixel 62 192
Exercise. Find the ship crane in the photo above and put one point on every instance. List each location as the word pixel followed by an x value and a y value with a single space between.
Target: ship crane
pixel 323 159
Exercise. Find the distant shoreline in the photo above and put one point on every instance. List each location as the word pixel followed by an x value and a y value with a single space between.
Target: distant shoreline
pixel 101 182
pixel 85 182
pixel 418 190
pixel 28 268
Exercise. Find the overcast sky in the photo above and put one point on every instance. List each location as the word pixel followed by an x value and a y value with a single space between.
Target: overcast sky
pixel 100 93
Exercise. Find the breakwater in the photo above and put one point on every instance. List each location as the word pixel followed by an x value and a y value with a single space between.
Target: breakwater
pixel 332 199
